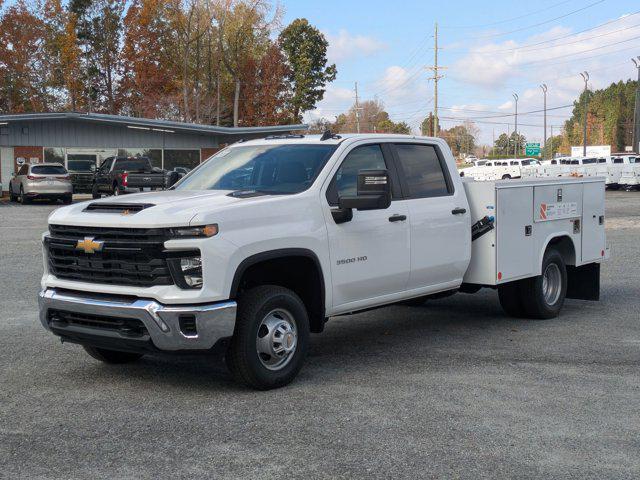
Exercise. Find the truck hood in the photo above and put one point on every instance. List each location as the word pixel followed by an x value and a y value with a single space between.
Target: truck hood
pixel 166 209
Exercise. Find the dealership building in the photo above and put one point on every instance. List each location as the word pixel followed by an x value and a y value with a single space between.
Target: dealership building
pixel 64 137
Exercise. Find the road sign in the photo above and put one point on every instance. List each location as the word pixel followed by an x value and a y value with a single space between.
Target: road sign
pixel 532 149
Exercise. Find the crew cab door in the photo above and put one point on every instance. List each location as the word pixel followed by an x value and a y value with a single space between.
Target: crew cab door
pixel 370 253
pixel 439 217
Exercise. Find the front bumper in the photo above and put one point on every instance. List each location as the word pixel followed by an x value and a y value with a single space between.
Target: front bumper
pixel 213 322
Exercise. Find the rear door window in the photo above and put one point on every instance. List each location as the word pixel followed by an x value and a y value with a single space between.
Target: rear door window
pixel 422 170
pixel 48 170
pixel 140 165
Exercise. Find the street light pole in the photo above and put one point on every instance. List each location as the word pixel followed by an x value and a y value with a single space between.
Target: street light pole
pixel 585 77
pixel 544 90
pixel 515 147
pixel 636 111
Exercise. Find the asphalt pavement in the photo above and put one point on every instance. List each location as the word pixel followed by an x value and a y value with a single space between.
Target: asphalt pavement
pixel 454 389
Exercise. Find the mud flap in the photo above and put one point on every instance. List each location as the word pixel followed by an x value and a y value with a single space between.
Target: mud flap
pixel 583 283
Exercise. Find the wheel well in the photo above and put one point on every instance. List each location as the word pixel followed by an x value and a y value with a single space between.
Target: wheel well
pixel 564 245
pixel 297 271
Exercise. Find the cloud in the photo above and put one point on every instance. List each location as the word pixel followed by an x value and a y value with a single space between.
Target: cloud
pixel 344 46
pixel 336 100
pixel 496 64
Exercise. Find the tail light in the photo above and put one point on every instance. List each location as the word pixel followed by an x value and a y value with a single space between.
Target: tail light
pixel 33 178
pixel 124 179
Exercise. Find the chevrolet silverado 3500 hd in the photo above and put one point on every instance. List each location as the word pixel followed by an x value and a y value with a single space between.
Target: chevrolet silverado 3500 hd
pixel 262 243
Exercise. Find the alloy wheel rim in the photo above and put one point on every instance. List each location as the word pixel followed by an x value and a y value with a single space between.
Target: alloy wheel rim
pixel 277 339
pixel 551 284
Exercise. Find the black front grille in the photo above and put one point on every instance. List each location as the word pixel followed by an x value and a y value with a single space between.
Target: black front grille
pixel 127 327
pixel 127 256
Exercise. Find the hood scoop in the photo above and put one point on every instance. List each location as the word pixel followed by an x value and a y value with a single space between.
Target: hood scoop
pixel 121 208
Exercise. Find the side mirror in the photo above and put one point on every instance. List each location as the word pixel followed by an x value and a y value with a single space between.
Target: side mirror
pixel 92 168
pixel 172 178
pixel 374 192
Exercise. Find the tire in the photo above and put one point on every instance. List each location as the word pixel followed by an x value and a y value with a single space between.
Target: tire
pixel 21 198
pixel 111 356
pixel 539 303
pixel 510 298
pixel 266 312
pixel 12 197
pixel 67 199
pixel 506 177
pixel 115 191
pixel 94 192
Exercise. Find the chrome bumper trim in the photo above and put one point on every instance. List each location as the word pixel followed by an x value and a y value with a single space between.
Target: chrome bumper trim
pixel 213 321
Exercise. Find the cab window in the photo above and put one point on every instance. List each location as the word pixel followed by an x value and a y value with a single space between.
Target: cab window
pixel 422 170
pixel 345 181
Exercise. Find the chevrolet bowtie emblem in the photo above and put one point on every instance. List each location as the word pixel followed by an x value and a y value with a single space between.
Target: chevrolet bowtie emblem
pixel 89 245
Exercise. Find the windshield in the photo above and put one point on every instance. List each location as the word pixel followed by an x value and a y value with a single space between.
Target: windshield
pixel 278 169
pixel 80 165
pixel 132 165
pixel 48 170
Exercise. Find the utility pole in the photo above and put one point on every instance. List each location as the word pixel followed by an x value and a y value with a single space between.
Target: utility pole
pixel 357 110
pixel 544 90
pixel 545 144
pixel 636 110
pixel 585 77
pixel 436 76
pixel 515 147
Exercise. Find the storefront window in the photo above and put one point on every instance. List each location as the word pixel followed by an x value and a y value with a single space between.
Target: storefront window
pixel 181 158
pixel 54 154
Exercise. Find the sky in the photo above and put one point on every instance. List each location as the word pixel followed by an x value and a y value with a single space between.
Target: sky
pixel 491 49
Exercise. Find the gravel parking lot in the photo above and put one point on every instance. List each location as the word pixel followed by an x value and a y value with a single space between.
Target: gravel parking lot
pixel 451 390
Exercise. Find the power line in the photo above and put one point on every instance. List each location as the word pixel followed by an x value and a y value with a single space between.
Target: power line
pixel 542 23
pixel 530 14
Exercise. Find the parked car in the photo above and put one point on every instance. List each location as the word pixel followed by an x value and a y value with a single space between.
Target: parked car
pixel 82 173
pixel 118 175
pixel 41 180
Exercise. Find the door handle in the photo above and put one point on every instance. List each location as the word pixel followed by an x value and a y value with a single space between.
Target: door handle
pixel 458 211
pixel 397 218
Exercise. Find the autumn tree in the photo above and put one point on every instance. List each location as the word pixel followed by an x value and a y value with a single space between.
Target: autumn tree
pixel 305 48
pixel 23 86
pixel 461 138
pixel 243 31
pixel 372 118
pixel 148 87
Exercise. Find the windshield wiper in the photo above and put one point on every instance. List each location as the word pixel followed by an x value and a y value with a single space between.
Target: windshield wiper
pixel 252 192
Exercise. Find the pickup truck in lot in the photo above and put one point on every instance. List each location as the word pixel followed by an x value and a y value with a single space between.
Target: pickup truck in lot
pixel 118 175
pixel 264 242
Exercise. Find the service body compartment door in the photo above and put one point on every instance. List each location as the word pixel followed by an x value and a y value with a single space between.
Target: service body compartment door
pixel 593 234
pixel 515 246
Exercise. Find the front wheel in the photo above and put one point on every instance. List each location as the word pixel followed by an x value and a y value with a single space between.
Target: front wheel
pixel 271 337
pixel 111 356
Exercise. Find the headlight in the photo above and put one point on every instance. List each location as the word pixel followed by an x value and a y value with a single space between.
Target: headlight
pixel 186 271
pixel 194 232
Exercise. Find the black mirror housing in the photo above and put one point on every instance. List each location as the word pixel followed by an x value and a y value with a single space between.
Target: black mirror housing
pixel 374 192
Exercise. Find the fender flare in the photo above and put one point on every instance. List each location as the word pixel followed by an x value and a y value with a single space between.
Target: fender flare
pixel 271 255
pixel 548 241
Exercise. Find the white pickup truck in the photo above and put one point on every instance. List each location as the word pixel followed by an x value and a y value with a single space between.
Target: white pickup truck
pixel 264 242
